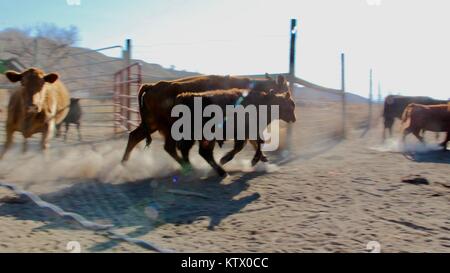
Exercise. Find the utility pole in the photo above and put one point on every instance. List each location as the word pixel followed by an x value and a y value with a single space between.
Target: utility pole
pixel 126 82
pixel 293 48
pixel 370 98
pixel 344 97
pixel 292 55
pixel 380 97
pixel 128 50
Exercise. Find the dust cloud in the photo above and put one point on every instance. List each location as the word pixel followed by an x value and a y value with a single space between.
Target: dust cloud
pixel 102 162
pixel 396 145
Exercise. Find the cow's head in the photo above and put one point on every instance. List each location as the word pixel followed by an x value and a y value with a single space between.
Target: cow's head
pixel 33 81
pixel 286 105
pixel 74 101
pixel 280 85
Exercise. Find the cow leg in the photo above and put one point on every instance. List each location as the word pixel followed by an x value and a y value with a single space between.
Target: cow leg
pixel 135 137
pixel 8 142
pixel 206 151
pixel 185 147
pixel 66 132
pixel 447 139
pixel 25 145
pixel 419 137
pixel 406 132
pixel 238 146
pixel 170 146
pixel 47 135
pixel 58 130
pixel 259 153
pixel 388 123
pixel 79 132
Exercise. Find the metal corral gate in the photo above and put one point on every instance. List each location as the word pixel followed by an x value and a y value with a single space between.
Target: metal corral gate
pixel 127 82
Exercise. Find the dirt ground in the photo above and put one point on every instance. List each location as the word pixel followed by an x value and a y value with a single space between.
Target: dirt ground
pixel 328 195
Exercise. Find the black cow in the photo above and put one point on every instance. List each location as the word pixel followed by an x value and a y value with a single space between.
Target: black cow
pixel 395 105
pixel 233 97
pixel 73 117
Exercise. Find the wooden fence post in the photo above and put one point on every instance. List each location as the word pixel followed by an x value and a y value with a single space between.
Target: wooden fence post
pixel 370 100
pixel 344 98
pixel 293 47
pixel 292 55
pixel 128 84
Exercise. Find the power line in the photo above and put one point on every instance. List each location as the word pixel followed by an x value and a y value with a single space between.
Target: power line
pixel 89 64
pixel 95 50
pixel 279 37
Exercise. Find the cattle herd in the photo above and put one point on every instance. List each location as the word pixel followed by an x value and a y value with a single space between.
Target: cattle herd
pixel 42 104
pixel 418 115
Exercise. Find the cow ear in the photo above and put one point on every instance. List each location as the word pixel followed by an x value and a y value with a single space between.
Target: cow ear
pixel 281 80
pixel 51 78
pixel 13 76
pixel 268 77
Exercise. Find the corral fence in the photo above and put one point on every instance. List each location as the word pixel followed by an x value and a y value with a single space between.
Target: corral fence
pixel 127 82
pixel 321 112
pixel 91 77
pixel 110 104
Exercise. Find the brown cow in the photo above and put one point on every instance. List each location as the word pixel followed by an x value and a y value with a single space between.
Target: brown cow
pixel 435 118
pixel 234 97
pixel 41 102
pixel 395 105
pixel 156 102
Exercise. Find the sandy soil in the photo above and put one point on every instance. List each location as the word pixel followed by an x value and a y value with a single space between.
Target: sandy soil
pixel 331 196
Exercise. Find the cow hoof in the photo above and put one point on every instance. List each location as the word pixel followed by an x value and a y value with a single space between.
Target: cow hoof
pixel 186 168
pixel 222 174
pixel 224 177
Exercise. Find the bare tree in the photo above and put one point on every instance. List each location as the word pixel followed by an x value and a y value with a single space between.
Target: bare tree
pixel 44 45
pixel 62 36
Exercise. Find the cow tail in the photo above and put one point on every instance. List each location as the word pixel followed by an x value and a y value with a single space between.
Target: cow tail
pixel 407 113
pixel 406 116
pixel 143 113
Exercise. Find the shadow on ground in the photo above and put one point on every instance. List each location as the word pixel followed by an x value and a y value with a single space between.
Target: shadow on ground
pixel 434 156
pixel 142 205
pixel 145 205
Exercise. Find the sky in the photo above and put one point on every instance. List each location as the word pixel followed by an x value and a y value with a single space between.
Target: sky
pixel 405 42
